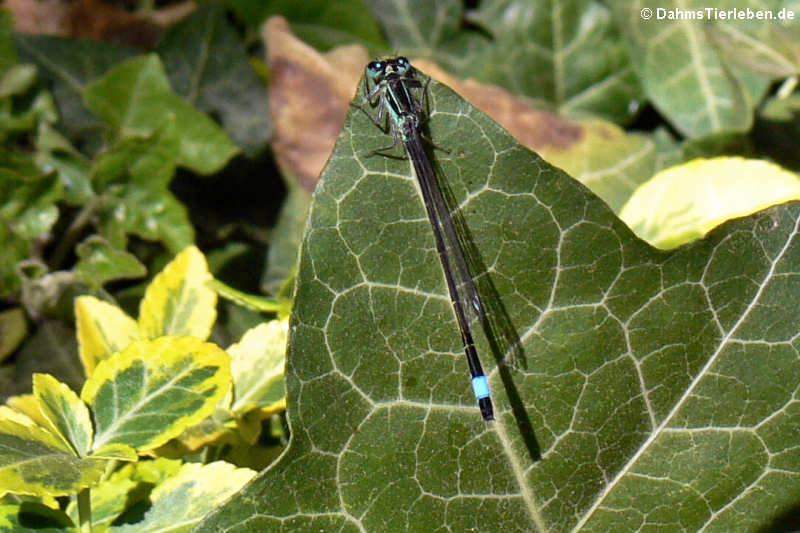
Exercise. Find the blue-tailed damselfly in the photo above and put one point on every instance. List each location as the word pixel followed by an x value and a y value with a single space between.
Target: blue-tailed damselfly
pixel 391 84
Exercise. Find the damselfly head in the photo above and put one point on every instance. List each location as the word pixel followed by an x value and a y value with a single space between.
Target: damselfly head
pixel 379 69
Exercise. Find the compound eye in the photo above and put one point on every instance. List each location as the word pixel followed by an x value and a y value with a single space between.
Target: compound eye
pixel 402 65
pixel 374 67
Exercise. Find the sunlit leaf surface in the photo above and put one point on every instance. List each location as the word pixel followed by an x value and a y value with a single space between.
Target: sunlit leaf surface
pixel 655 389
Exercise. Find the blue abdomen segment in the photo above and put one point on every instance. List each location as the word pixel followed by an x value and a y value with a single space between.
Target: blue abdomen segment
pixel 480 386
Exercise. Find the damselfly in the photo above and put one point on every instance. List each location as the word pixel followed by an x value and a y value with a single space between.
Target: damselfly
pixel 392 84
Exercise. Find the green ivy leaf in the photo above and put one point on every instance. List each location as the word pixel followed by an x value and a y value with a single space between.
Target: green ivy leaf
pixel 573 56
pixel 134 98
pixel 769 49
pixel 27 210
pixel 99 263
pixel 319 23
pixel 53 150
pixel 655 389
pixel 683 73
pixel 421 26
pixel 222 82
pixel 132 180
pixel 69 65
pixel 569 55
pixel 28 198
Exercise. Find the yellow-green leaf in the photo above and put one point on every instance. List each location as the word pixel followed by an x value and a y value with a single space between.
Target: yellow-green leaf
pixel 66 414
pixel 102 330
pixel 257 363
pixel 27 405
pixel 686 201
pixel 36 462
pixel 7 413
pixel 215 429
pixel 152 471
pixel 181 501
pixel 152 390
pixel 178 301
pixel 116 451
